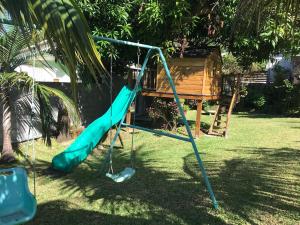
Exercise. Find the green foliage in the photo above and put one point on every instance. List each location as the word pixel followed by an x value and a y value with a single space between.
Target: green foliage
pixel 264 27
pixel 111 19
pixel 284 97
pixel 192 104
pixel 234 65
pixel 281 97
pixel 174 25
pixel 258 66
pixel 186 107
pixel 12 42
pixel 164 112
pixel 250 30
pixel 231 65
pixel 254 99
pixel 205 105
pixel 164 23
pixel 259 102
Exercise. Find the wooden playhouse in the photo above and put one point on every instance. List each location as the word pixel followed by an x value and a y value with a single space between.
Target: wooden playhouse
pixel 197 76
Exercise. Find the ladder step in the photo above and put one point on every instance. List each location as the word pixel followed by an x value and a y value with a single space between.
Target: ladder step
pixel 219 128
pixel 216 133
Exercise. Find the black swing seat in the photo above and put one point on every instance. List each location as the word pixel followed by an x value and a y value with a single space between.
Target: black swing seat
pixel 17 204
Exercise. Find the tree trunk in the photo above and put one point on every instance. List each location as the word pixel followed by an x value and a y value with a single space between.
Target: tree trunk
pixel 7 150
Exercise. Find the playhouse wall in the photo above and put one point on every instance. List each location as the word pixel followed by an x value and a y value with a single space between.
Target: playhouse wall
pixel 212 79
pixel 187 74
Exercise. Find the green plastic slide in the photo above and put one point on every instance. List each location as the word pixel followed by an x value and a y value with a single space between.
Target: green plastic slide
pixel 78 151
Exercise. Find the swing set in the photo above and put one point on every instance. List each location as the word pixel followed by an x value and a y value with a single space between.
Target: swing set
pixel 14 191
pixel 129 172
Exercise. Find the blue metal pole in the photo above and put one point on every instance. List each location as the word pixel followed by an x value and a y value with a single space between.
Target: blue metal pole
pixel 121 42
pixel 158 132
pixel 200 163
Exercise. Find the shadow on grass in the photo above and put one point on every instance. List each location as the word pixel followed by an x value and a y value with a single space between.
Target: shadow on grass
pixel 266 182
pixel 295 127
pixel 258 115
pixel 248 188
pixel 62 212
pixel 160 196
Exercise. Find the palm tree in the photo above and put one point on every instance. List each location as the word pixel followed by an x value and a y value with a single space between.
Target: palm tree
pixel 12 54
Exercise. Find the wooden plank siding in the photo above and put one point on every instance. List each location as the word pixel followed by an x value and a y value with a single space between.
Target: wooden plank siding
pixel 212 79
pixel 195 76
pixel 191 75
pixel 187 74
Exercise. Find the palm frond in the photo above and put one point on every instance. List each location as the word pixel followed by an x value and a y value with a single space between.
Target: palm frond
pixel 44 94
pixel 65 100
pixel 46 115
pixel 65 29
pixel 12 42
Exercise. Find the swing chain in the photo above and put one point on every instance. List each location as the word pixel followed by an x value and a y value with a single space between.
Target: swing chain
pixel 110 169
pixel 132 152
pixel 30 137
pixel 138 55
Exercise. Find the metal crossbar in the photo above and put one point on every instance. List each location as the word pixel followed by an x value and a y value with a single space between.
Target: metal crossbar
pixel 158 132
pixel 121 42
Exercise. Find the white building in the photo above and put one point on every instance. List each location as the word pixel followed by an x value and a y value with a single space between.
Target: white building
pixel 280 60
pixel 45 70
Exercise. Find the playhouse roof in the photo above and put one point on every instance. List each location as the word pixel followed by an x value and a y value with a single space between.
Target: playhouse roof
pixel 200 52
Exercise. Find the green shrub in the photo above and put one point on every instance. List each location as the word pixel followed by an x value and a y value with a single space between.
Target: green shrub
pixel 281 97
pixel 164 112
pixel 253 97
pixel 259 102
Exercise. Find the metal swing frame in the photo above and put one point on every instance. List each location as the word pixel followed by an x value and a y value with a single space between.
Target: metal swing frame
pixel 151 50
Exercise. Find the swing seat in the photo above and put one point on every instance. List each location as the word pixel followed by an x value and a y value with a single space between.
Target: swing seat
pixel 17 204
pixel 124 175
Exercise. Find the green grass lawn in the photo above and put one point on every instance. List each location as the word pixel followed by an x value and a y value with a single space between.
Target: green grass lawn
pixel 255 174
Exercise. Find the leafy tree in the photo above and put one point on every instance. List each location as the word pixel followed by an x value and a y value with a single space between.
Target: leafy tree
pixel 250 29
pixel 250 35
pixel 13 50
pixel 261 28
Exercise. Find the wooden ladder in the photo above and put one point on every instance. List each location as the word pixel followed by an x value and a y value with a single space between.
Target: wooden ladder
pixel 221 120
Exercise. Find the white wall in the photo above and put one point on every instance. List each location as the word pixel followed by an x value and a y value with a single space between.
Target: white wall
pixel 49 71
pixel 278 60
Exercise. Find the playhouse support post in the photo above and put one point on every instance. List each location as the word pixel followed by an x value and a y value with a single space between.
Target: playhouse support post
pixel 198 118
pixel 128 117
